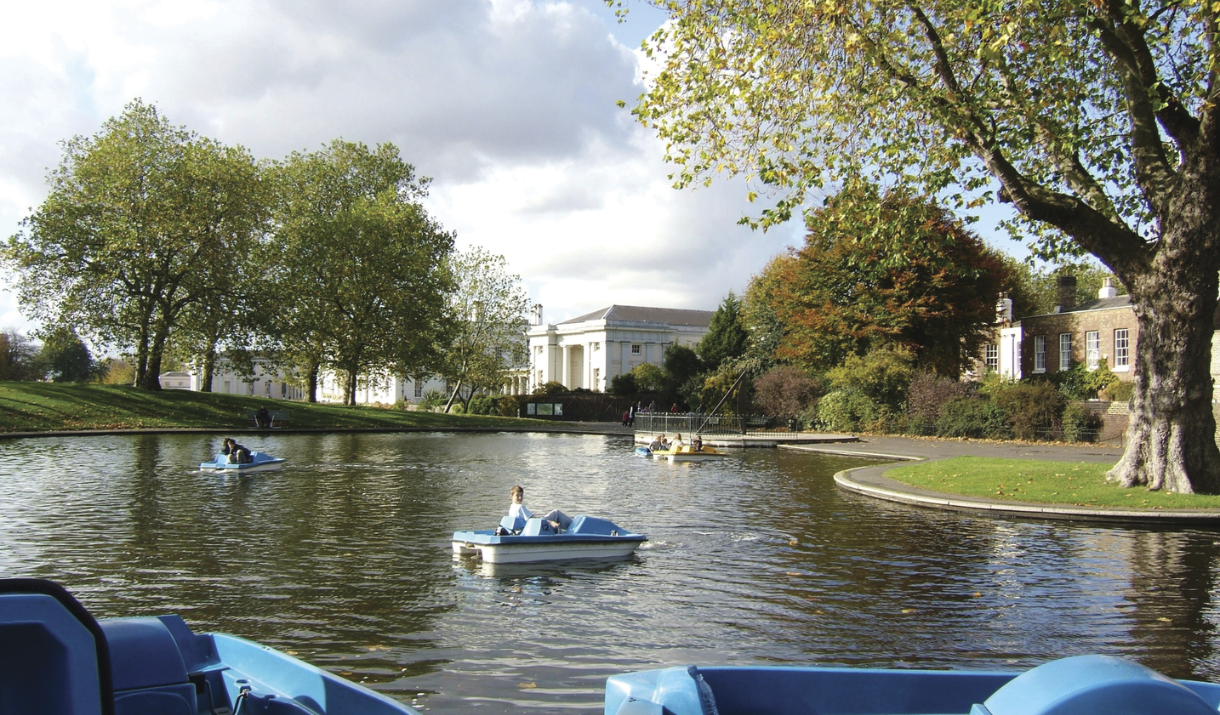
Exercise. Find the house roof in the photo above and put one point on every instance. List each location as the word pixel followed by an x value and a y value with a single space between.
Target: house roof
pixel 1118 301
pixel 636 314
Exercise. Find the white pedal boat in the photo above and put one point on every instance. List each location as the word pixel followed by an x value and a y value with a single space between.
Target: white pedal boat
pixel 688 454
pixel 259 462
pixel 587 538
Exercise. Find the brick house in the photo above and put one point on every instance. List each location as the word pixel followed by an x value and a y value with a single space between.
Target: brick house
pixel 1101 329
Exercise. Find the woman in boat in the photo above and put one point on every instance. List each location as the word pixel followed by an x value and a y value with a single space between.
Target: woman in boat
pixel 658 443
pixel 517 510
pixel 237 453
pixel 677 444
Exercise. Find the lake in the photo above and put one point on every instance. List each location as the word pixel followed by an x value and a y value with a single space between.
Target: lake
pixel 343 559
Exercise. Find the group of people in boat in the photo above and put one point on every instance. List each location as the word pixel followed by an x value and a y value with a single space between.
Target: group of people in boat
pixel 661 445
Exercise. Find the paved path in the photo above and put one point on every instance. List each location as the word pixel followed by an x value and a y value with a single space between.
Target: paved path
pixel 872 481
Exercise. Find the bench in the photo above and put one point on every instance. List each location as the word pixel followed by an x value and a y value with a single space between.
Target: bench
pixel 279 418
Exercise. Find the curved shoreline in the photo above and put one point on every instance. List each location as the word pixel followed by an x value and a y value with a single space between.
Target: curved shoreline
pixel 871 481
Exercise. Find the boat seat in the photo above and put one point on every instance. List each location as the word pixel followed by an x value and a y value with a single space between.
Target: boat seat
pixel 55 659
pixel 513 524
pixel 538 527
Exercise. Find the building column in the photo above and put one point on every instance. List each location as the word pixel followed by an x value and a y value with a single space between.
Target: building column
pixel 565 368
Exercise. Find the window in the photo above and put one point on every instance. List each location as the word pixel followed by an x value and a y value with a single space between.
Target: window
pixel 419 388
pixel 635 349
pixel 597 378
pixel 1092 347
pixel 1065 351
pixel 1122 348
pixel 1039 353
pixel 991 356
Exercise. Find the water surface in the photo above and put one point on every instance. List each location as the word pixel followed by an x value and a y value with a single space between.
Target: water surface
pixel 343 558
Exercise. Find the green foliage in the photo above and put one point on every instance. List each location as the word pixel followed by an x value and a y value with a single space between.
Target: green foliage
pixel 483 405
pixel 432 399
pixel 359 263
pixel 976 417
pixel 847 410
pixel 624 384
pixel 648 378
pixel 1117 391
pixel 510 406
pixel 726 338
pixel 884 375
pixel 681 365
pixel 929 392
pixel 1081 383
pixel 116 371
pixel 142 223
pixel 1035 291
pixel 16 357
pixel 717 386
pixel 64 358
pixel 553 387
pixel 1080 424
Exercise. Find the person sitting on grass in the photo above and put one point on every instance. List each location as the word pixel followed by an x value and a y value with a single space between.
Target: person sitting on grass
pixel 557 519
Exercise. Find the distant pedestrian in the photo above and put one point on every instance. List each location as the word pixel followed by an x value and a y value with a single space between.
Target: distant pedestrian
pixel 673 409
pixel 652 406
pixel 626 416
pixel 631 416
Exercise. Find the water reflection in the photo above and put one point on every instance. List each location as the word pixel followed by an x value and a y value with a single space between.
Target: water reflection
pixel 343 558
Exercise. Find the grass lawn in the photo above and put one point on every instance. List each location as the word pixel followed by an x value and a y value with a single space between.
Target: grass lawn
pixel 1066 483
pixel 43 407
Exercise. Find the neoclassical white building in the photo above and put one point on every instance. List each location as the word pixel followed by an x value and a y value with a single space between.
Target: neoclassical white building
pixel 589 350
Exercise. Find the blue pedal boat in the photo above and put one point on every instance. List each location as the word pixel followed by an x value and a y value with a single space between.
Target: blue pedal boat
pixel 259 462
pixel 56 658
pixel 643 452
pixel 1080 685
pixel 523 541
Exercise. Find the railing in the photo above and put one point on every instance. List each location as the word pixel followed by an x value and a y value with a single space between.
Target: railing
pixel 692 422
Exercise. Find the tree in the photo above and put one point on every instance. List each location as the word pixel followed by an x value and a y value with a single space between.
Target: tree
pixel 16 357
pixel 487 336
pixel 64 357
pixel 786 390
pixel 726 337
pixel 357 272
pixel 1035 291
pixel 140 221
pixel 878 270
pixel 1096 120
pixel 758 313
pixel 682 365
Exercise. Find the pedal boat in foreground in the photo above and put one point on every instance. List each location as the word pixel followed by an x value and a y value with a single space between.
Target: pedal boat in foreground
pixel 58 659
pixel 686 453
pixel 259 462
pixel 1078 685
pixel 586 538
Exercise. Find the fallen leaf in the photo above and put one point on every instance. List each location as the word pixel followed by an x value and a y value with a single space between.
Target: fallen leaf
pixel 527 686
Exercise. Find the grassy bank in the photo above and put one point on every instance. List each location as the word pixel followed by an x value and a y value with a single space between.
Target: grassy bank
pixel 1017 480
pixel 44 407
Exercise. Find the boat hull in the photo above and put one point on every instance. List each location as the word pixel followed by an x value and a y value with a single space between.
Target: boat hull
pixel 261 462
pixel 1081 684
pixel 586 538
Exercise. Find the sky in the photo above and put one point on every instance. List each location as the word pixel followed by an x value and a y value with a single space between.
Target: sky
pixel 508 105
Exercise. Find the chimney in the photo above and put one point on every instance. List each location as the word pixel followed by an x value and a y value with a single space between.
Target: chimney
pixel 1003 309
pixel 1107 289
pixel 1067 292
pixel 537 313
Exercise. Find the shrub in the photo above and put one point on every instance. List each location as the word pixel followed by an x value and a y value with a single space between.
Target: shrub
pixel 483 405
pixel 1034 409
pixel 623 385
pixel 1080 424
pixel 1081 383
pixel 884 375
pixel 432 399
pixel 976 417
pixel 648 377
pixel 551 388
pixel 510 406
pixel 116 371
pixel 786 390
pixel 457 409
pixel 1118 392
pixel 847 410
pixel 929 392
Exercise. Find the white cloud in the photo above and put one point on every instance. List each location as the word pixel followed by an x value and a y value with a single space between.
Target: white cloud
pixel 508 104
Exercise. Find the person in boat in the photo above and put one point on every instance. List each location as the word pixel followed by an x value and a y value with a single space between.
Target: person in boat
pixel 658 443
pixel 696 444
pixel 517 510
pixel 677 444
pixel 237 454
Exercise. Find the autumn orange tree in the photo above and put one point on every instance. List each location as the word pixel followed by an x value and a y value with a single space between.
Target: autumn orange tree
pixel 885 270
pixel 1097 120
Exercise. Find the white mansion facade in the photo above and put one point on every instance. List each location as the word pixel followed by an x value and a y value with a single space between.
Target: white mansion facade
pixel 587 351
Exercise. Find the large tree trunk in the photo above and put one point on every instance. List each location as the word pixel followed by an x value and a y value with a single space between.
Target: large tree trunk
pixel 209 369
pixel 152 373
pixel 313 382
pixel 453 396
pixel 1171 438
